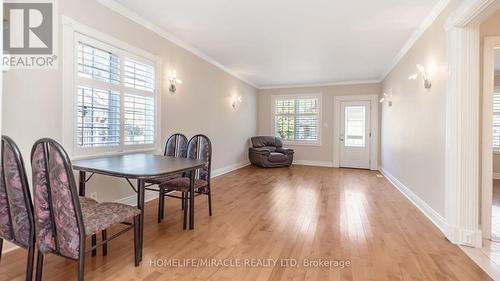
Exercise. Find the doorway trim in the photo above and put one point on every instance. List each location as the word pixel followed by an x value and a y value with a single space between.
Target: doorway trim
pixel 462 167
pixel 490 43
pixel 374 139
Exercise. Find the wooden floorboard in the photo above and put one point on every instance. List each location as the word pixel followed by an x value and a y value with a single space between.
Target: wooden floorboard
pixel 280 214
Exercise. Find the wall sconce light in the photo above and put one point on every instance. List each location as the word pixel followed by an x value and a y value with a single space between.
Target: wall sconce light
pixel 425 76
pixel 173 82
pixel 236 101
pixel 386 97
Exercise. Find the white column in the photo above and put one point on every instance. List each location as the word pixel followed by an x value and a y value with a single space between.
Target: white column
pixel 462 134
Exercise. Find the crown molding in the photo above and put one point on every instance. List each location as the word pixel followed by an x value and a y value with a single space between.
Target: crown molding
pixel 324 84
pixel 471 12
pixel 435 12
pixel 122 10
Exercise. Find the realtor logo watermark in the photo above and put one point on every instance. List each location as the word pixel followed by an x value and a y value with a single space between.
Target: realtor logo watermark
pixel 29 35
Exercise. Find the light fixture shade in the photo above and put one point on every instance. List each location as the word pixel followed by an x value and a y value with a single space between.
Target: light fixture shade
pixel 173 82
pixel 236 101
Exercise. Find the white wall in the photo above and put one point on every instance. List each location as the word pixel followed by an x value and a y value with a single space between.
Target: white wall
pixel 32 104
pixel 413 129
pixel 321 154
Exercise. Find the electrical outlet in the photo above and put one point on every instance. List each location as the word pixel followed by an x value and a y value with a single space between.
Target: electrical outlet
pixel 93 195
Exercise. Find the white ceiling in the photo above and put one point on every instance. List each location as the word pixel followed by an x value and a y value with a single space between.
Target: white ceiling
pixel 289 42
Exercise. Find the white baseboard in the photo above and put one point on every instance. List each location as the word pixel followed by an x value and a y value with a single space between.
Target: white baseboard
pixel 496 176
pixel 313 163
pixel 8 247
pixel 132 200
pixel 427 210
pixel 151 195
pixel 229 168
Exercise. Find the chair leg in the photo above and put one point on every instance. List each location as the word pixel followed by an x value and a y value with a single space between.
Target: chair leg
pixel 210 202
pixel 39 266
pixel 104 235
pixel 161 204
pixel 136 241
pixel 185 202
pixel 1 246
pixel 94 243
pixel 81 268
pixel 29 263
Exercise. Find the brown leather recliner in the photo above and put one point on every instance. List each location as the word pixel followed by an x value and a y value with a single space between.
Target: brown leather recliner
pixel 268 152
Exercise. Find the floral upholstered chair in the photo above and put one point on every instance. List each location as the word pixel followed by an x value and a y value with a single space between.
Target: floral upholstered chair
pixel 199 147
pixel 16 210
pixel 176 146
pixel 62 220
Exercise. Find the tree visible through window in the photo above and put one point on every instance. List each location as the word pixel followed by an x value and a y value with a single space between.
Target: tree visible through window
pixel 296 119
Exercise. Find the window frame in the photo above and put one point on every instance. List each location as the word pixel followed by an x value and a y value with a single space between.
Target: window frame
pixel 74 32
pixel 319 114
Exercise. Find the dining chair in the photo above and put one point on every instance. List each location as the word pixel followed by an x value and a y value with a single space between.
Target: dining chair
pixel 16 210
pixel 61 221
pixel 176 146
pixel 199 147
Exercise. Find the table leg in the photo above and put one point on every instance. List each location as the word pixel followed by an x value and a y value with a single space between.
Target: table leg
pixel 140 204
pixel 82 184
pixel 191 199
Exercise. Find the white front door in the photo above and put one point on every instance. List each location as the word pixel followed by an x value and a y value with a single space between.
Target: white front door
pixel 355 134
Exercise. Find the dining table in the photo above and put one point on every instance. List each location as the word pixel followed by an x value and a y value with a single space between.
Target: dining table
pixel 139 167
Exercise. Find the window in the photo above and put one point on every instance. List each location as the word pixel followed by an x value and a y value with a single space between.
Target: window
pixel 115 98
pixel 297 118
pixel 496 121
pixel 355 126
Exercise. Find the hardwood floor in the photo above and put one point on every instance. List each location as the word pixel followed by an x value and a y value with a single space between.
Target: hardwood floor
pixel 495 212
pixel 297 213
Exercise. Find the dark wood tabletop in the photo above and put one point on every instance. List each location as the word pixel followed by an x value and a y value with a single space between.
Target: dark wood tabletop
pixel 136 166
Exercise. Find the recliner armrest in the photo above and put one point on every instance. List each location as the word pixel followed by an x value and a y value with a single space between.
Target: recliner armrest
pixel 283 150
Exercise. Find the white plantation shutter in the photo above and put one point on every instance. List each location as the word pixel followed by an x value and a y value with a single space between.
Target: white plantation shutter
pixel 296 119
pixel 139 75
pixel 97 64
pixel 98 120
pixel 496 121
pixel 306 119
pixel 139 119
pixel 115 97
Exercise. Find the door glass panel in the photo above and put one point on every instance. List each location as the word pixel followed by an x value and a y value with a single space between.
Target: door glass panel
pixel 355 126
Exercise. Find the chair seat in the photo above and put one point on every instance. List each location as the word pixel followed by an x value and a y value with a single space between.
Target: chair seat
pixel 162 179
pixel 100 216
pixel 182 184
pixel 277 157
pixel 86 202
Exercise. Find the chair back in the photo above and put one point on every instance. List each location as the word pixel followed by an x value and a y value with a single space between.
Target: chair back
pixel 58 217
pixel 200 147
pixel 176 146
pixel 266 141
pixel 16 209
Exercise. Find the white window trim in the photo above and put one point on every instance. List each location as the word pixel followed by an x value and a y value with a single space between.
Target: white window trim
pixel 319 96
pixel 71 30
